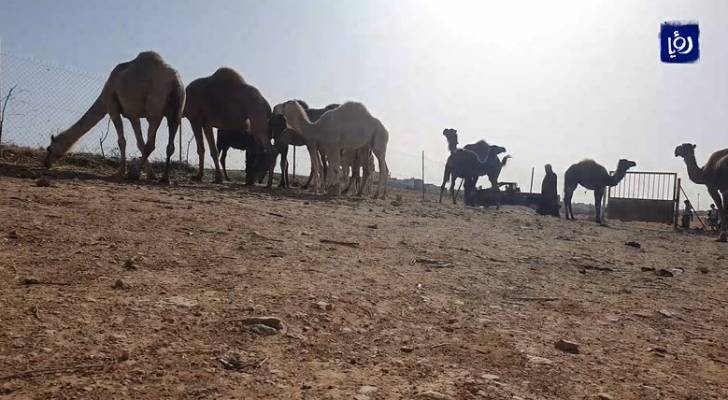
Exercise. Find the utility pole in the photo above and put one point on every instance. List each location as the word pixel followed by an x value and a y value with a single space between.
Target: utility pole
pixel 533 169
pixel 423 175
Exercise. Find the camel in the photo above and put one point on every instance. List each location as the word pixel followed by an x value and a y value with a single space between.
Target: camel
pixel 594 177
pixel 145 87
pixel 255 157
pixel 347 127
pixel 224 100
pixel 482 149
pixel 714 175
pixel 468 165
pixel 291 137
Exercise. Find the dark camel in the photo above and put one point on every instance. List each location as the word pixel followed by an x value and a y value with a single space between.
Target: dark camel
pixel 225 101
pixel 714 175
pixel 594 177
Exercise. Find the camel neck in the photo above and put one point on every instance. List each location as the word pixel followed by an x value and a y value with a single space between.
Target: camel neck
pixel 617 177
pixel 695 173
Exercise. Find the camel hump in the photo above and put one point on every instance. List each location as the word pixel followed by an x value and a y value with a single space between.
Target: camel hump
pixel 227 74
pixel 149 56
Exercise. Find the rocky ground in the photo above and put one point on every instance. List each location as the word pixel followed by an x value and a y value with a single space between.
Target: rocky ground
pixel 143 291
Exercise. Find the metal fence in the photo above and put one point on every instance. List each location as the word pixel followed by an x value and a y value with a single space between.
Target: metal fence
pixel 645 196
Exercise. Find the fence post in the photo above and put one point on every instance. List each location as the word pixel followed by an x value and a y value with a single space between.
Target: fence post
pixel 423 175
pixel 294 163
pixel 533 169
pixel 677 201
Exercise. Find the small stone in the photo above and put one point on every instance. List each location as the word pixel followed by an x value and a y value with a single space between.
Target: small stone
pixel 567 346
pixel 361 397
pixel 407 349
pixel 366 389
pixel 538 360
pixel 120 285
pixel 490 377
pixel 346 330
pixel 373 226
pixel 603 396
pixel 306 386
pixel 272 322
pixel 263 330
pixel 324 306
pixel 432 395
pixel 13 235
pixel 636 245
pixel 703 270
pixel 664 273
pixel 647 269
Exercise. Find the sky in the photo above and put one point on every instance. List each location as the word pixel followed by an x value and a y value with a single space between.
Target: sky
pixel 553 82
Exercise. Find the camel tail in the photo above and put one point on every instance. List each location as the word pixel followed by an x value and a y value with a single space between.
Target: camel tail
pixel 67 138
pixel 505 160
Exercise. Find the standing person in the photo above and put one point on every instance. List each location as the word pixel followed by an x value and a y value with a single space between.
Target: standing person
pixel 687 215
pixel 549 194
pixel 713 218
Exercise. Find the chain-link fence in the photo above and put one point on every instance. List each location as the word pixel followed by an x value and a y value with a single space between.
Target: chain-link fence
pixel 49 98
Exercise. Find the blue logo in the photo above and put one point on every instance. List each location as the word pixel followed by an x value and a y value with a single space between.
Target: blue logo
pixel 679 42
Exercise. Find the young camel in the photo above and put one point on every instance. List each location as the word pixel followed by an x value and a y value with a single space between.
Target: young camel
pixel 255 157
pixel 594 177
pixel 348 127
pixel 283 139
pixel 145 87
pixel 714 175
pixel 225 101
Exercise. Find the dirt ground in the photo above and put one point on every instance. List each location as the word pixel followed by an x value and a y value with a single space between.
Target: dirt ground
pixel 141 291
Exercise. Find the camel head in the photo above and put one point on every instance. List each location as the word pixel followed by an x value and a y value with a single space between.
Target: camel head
pixel 451 135
pixel 548 168
pixel 685 150
pixel 277 125
pixel 495 150
pixel 624 165
pixel 54 152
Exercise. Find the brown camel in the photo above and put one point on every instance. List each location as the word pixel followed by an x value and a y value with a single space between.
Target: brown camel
pixel 594 177
pixel 145 87
pixel 467 165
pixel 225 101
pixel 714 175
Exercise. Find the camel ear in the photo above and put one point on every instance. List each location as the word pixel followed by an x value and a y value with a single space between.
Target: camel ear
pixel 693 146
pixel 53 137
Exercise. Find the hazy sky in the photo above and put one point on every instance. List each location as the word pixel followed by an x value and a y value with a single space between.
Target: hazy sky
pixel 552 81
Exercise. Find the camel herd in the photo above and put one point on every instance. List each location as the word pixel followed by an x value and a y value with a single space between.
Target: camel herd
pixel 339 137
pixel 342 139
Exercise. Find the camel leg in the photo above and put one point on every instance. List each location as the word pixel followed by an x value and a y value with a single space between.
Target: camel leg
pixel 452 191
pixel 334 174
pixel 381 153
pixel 210 136
pixel 137 128
pixel 598 193
pixel 284 168
pixel 200 142
pixel 149 146
pixel 172 125
pixel 568 193
pixel 445 178
pixel 722 212
pixel 119 126
pixel 365 178
pixel 223 156
pixel 314 178
pixel 457 192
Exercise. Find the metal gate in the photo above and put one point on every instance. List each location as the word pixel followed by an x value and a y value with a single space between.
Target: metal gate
pixel 645 196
